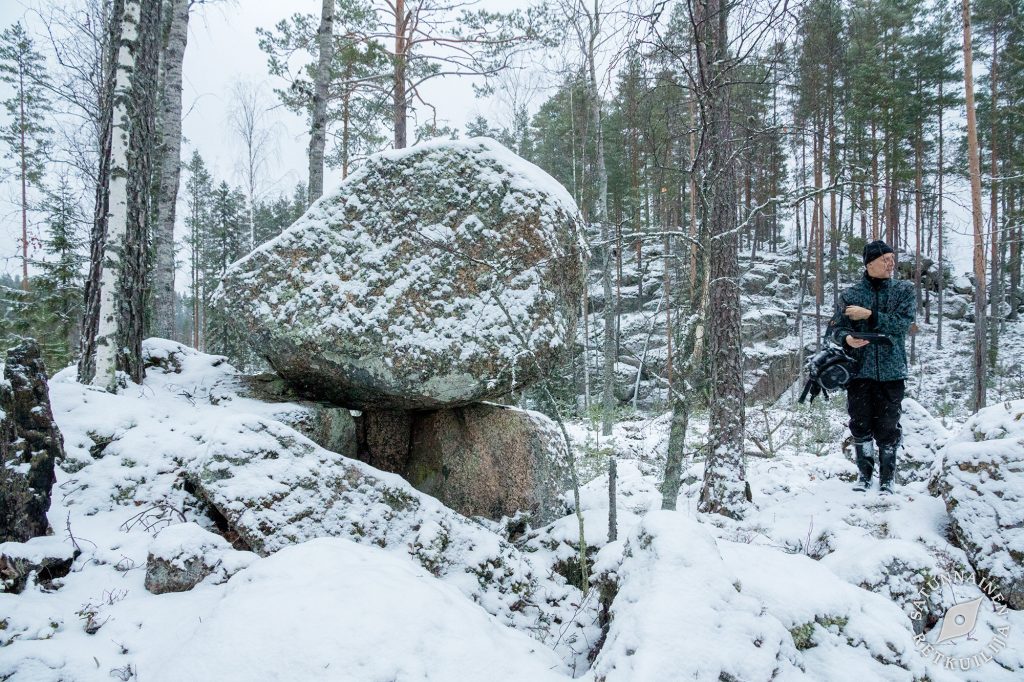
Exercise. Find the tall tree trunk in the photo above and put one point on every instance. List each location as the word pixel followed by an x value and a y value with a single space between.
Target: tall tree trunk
pixel 724 490
pixel 980 365
pixel 918 227
pixel 92 310
pixel 170 170
pixel 399 103
pixel 941 230
pixel 23 152
pixel 122 284
pixel 874 179
pixel 995 296
pixel 318 127
pixel 601 218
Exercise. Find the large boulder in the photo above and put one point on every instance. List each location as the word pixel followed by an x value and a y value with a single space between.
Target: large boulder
pixel 980 476
pixel 30 445
pixel 490 460
pixel 434 276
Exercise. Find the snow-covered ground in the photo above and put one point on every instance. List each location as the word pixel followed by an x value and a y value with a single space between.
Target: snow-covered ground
pixel 816 583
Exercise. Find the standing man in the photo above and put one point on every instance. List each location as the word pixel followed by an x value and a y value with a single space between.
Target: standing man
pixel 874 397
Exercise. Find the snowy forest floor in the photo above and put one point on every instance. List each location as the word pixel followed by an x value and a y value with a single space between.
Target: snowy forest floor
pixel 816 583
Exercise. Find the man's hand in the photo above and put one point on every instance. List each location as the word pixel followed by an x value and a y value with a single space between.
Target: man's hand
pixel 856 343
pixel 855 312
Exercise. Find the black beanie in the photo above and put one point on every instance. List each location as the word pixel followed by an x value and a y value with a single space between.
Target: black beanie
pixel 875 249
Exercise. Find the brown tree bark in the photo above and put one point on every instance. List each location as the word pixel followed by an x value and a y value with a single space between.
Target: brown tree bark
pixel 724 490
pixel 974 162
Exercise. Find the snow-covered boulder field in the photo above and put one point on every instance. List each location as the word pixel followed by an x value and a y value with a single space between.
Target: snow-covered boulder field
pixel 980 475
pixel 438 275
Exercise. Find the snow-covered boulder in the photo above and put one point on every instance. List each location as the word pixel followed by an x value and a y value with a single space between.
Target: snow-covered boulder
pixel 30 444
pixel 923 437
pixel 980 476
pixel 491 460
pixel 438 275
pixel 276 488
pixel 690 607
pixel 963 284
pixel 183 555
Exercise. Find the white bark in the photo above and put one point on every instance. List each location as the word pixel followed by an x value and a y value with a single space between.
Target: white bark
pixel 318 130
pixel 117 217
pixel 170 116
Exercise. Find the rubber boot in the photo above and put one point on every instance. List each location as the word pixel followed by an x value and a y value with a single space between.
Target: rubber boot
pixel 887 467
pixel 865 463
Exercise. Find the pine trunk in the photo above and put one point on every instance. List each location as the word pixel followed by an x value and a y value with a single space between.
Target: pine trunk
pixel 170 170
pixel 941 230
pixel 995 296
pixel 724 490
pixel 980 365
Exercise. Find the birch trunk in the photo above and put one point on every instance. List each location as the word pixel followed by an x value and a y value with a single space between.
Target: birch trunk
pixel 98 239
pixel 117 210
pixel 170 170
pixel 399 105
pixel 318 128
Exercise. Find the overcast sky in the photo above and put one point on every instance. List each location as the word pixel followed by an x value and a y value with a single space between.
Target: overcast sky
pixel 222 49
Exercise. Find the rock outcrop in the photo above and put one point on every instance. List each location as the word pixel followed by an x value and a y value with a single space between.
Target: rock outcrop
pixel 434 276
pixel 980 476
pixel 276 488
pixel 30 445
pixel 184 555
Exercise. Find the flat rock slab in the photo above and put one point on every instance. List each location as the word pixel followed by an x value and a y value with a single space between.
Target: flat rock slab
pixel 276 488
pixel 434 276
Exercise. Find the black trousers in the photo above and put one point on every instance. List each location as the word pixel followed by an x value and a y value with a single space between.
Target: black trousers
pixel 875 408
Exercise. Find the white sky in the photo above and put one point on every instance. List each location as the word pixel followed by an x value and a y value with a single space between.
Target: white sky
pixel 222 49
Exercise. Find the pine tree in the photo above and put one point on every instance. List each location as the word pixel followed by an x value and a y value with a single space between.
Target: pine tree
pixel 26 138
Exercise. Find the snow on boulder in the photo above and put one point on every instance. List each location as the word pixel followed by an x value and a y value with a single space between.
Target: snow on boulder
pixel 331 609
pixel 980 476
pixel 183 555
pixel 688 607
pixel 433 276
pixel 923 437
pixel 276 488
pixel 42 559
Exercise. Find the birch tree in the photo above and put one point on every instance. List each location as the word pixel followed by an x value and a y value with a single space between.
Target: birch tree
pixel 118 343
pixel 170 166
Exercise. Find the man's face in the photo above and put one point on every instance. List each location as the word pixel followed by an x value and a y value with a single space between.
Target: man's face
pixel 882 267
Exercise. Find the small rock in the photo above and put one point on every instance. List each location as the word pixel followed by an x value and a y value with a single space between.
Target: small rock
pixel 185 554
